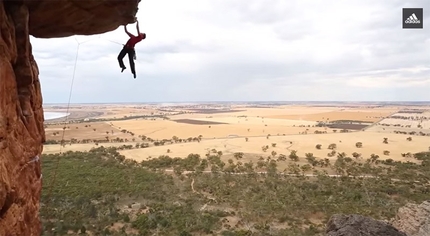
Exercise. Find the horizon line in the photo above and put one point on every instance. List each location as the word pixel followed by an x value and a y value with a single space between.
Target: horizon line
pixel 256 101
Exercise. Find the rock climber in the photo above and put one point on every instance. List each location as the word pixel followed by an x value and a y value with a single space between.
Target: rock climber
pixel 129 49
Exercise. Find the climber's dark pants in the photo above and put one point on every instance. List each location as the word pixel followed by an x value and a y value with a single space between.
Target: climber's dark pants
pixel 131 53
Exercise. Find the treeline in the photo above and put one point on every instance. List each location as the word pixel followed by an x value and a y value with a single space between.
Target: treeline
pixel 107 139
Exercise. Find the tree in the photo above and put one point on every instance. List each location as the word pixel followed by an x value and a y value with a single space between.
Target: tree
pixel 238 155
pixel 246 139
pixel 385 141
pixel 341 155
pixel 311 159
pixel 273 144
pixel 318 146
pixel 359 144
pixel 356 155
pixel 409 139
pixel 273 153
pixel 264 148
pixel 331 154
pixel 373 158
pixel 293 155
pixel 83 229
pixel 306 168
pixel 293 169
pixel 282 157
pixel 386 152
pixel 332 146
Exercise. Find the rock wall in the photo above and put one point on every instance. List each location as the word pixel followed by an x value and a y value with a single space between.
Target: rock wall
pixel 21 113
pixel 21 126
pixel 414 219
pixel 352 225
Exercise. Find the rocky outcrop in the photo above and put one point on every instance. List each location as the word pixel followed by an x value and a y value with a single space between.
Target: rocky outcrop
pixel 71 17
pixel 414 219
pixel 357 225
pixel 21 112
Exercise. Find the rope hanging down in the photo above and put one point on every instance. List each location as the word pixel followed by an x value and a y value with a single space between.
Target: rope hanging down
pixel 51 186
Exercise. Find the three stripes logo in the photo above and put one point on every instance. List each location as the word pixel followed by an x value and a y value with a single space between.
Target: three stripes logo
pixel 412 18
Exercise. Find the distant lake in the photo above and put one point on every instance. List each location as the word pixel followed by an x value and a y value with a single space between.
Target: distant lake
pixel 54 115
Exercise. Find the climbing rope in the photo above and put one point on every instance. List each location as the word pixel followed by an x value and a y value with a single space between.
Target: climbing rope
pixel 51 185
pixel 113 41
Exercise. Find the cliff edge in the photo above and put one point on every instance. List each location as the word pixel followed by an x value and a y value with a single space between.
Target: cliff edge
pixel 21 112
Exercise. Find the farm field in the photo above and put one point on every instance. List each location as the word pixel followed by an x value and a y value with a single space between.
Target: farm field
pixel 93 130
pixel 245 130
pixel 345 142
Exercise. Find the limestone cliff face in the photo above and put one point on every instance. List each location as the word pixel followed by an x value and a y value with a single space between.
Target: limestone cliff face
pixel 21 112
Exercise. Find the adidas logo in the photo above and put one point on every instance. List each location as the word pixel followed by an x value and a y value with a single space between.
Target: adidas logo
pixel 413 19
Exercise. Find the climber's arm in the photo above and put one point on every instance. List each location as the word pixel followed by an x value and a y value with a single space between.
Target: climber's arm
pixel 137 27
pixel 126 31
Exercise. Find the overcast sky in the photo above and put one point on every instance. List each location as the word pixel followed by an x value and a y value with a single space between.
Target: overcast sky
pixel 248 50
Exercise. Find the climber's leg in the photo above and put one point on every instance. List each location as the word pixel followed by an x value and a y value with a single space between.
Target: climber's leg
pixel 121 55
pixel 131 53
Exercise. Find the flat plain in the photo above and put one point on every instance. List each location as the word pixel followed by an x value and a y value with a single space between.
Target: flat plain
pixel 247 129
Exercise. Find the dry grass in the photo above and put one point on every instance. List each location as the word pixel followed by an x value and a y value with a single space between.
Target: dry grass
pixel 165 129
pixel 254 123
pixel 94 130
pixel 366 116
pixel 372 144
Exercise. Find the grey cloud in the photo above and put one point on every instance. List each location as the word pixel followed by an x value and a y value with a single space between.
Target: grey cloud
pixel 247 76
pixel 263 12
pixel 293 30
pixel 231 73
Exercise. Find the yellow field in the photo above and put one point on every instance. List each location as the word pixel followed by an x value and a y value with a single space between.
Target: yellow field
pixel 165 129
pixel 372 144
pixel 286 126
pixel 93 130
pixel 367 116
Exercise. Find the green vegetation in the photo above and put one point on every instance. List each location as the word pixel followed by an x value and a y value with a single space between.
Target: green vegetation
pixel 103 193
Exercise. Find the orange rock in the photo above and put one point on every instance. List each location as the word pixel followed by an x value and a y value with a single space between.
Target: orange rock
pixel 21 113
